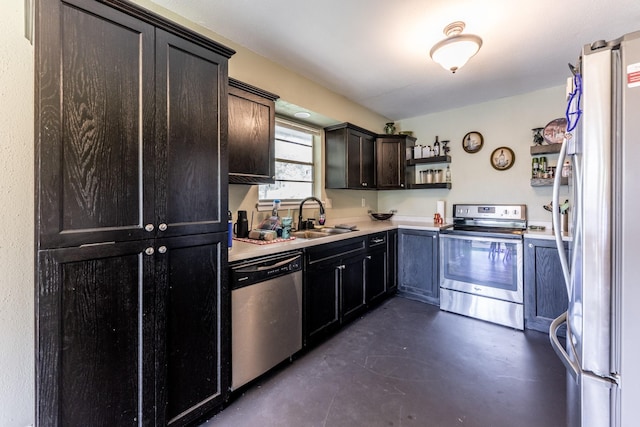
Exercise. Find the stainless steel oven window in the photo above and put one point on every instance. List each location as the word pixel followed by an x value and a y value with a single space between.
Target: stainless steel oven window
pixel 487 266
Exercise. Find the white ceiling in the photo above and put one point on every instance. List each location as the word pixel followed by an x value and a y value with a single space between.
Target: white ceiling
pixel 376 52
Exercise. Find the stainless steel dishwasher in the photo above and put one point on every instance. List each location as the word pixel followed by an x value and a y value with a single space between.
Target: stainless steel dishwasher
pixel 266 314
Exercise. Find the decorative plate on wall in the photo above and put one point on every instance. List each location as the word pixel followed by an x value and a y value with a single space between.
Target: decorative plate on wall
pixel 554 131
pixel 472 142
pixel 502 158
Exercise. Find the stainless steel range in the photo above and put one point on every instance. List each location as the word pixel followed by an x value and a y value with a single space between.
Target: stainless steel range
pixel 481 263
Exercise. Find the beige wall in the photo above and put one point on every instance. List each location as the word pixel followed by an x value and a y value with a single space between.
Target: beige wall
pixel 502 122
pixel 16 211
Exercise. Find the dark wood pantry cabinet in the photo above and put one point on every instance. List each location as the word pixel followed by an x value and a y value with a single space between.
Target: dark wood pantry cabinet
pixel 131 203
pixel 350 160
pixel 251 134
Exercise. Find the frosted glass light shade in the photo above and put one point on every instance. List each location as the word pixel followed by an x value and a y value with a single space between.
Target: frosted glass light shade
pixel 454 51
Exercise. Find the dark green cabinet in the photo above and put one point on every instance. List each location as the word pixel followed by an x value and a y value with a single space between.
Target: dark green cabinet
pixel 131 202
pixel 418 265
pixel 350 160
pixel 545 293
pixel 251 134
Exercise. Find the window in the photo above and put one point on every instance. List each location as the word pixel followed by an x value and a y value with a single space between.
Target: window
pixel 295 173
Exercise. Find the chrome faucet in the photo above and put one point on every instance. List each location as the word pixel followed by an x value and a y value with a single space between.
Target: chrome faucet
pixel 302 226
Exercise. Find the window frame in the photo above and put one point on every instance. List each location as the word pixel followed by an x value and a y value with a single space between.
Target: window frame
pixel 316 167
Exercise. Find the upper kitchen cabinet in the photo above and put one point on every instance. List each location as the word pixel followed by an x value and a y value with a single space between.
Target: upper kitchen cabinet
pixel 350 157
pixel 132 124
pixel 391 161
pixel 251 134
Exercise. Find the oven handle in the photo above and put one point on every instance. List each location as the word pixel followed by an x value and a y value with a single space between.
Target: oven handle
pixel 481 238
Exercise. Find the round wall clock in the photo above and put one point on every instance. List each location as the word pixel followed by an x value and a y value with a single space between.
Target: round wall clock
pixel 472 142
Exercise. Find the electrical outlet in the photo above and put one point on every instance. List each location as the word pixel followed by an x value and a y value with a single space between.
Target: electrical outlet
pixel 364 202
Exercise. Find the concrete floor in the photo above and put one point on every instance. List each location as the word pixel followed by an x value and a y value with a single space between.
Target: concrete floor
pixel 409 364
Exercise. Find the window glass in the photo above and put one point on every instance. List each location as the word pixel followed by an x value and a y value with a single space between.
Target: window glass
pixel 294 164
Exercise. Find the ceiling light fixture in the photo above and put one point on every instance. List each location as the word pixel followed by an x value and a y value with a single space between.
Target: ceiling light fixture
pixel 454 51
pixel 302 115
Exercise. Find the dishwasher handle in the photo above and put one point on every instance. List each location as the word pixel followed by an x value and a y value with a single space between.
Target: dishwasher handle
pixel 264 269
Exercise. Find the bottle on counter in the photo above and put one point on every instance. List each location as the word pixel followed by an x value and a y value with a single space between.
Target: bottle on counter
pixel 274 209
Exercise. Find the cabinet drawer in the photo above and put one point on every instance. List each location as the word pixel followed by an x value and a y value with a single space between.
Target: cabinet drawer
pixel 327 251
pixel 378 239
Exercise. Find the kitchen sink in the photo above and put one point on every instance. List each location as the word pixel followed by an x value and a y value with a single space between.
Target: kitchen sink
pixel 317 233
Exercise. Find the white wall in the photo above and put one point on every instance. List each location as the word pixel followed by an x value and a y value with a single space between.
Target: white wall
pixel 502 122
pixel 17 214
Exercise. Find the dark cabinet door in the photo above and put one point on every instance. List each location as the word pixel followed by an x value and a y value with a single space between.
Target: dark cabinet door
pixel 352 283
pixel 251 134
pixel 390 162
pixel 349 157
pixel 94 106
pixel 322 287
pixel 191 126
pixel 418 265
pixel 195 318
pixel 545 293
pixel 376 274
pixel 392 261
pixel 95 323
pixel 360 160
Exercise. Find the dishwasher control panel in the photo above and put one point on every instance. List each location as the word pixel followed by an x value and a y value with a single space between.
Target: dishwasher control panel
pixel 260 269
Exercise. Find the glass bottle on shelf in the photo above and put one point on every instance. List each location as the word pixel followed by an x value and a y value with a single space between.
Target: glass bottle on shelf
pixel 447 174
pixel 436 148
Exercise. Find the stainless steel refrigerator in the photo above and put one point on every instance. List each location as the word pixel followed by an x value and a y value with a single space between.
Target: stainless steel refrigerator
pixel 602 269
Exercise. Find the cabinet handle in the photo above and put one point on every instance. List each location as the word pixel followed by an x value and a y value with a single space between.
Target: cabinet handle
pixel 162 249
pixel 364 184
pixel 162 227
pixel 530 245
pixel 149 251
pixel 149 227
pixel 368 256
pixel 433 237
pixel 341 267
pixel 401 185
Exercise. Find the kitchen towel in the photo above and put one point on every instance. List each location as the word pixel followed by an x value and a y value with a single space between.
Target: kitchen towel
pixel 440 208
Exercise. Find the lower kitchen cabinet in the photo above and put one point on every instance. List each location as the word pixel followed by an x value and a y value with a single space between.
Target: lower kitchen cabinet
pixel 392 262
pixel 545 293
pixel 333 286
pixel 351 274
pixel 376 266
pixel 132 333
pixel 418 265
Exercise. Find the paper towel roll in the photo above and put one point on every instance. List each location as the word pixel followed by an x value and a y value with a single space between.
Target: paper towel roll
pixel 440 208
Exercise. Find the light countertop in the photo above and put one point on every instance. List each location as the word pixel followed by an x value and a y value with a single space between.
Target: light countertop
pixel 241 250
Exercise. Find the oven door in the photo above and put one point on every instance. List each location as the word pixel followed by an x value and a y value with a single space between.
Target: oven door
pixel 487 266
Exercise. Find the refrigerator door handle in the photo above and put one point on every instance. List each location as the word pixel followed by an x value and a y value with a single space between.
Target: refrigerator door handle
pixel 572 367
